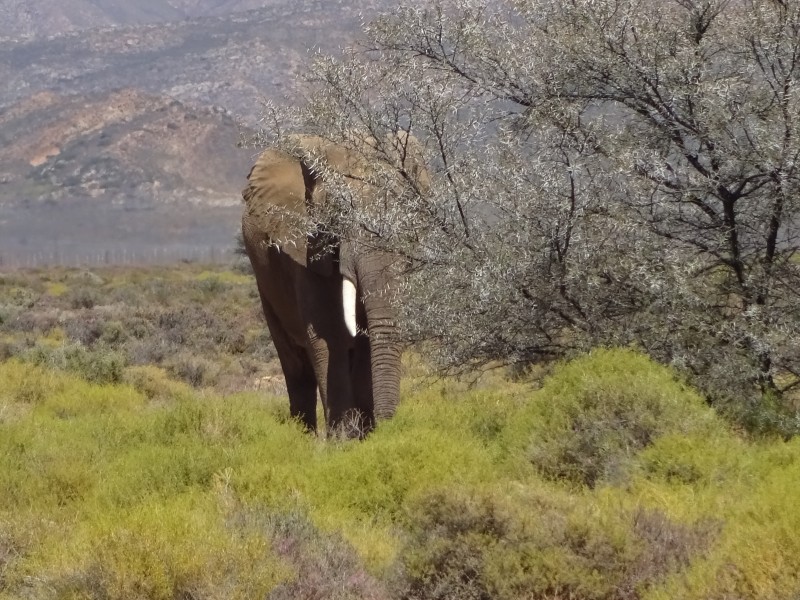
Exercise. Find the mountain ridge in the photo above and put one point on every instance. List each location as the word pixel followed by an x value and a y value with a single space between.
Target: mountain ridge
pixel 24 19
pixel 106 112
pixel 120 145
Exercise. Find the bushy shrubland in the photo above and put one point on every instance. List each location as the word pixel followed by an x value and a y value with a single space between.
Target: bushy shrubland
pixel 166 549
pixel 101 364
pixel 154 383
pixel 490 545
pixel 148 489
pixel 203 325
pixel 591 420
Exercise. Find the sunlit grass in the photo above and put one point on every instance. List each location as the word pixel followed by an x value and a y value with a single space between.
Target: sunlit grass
pixel 149 489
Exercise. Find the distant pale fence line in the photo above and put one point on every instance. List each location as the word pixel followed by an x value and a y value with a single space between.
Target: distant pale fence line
pixel 120 255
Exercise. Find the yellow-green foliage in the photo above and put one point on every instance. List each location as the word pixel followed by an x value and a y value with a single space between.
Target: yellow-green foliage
pixel 164 549
pixel 154 383
pixel 596 413
pixel 57 288
pixel 148 489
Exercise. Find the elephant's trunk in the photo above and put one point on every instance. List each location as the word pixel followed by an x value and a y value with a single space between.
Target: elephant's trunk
pixel 385 351
pixel 385 347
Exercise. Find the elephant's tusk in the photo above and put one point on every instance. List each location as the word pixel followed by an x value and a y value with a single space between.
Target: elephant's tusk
pixel 349 305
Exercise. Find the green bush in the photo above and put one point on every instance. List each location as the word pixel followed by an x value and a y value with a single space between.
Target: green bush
pixel 594 414
pixel 83 297
pixel 100 365
pixel 211 286
pixel 150 489
pixel 7 350
pixel 27 383
pixel 167 549
pixel 84 328
pixel 194 370
pixel 468 545
pixel 114 332
pixel 764 415
pixel 154 383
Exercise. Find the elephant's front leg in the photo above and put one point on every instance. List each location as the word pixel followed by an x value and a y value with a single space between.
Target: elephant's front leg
pixel 331 359
pixel 329 346
pixel 361 381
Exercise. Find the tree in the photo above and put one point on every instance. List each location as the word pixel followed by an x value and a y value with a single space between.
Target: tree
pixel 604 172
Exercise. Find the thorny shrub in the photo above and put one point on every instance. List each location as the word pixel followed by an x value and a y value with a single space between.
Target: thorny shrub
pixel 601 172
pixel 483 546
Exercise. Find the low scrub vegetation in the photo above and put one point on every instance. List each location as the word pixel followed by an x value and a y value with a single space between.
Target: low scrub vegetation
pixel 200 324
pixel 609 480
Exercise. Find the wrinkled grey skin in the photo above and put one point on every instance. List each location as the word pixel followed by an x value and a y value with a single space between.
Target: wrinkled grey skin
pixel 300 284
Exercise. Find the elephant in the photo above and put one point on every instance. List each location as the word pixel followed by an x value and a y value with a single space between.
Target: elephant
pixel 327 299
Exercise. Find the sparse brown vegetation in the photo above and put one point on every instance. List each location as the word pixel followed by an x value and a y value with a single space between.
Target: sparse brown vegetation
pixel 200 324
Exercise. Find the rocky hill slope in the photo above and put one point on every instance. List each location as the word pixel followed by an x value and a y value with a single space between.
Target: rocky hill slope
pixel 24 18
pixel 137 105
pixel 232 61
pixel 120 170
pixel 123 146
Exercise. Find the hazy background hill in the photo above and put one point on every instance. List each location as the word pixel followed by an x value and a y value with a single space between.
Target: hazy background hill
pixel 53 17
pixel 113 111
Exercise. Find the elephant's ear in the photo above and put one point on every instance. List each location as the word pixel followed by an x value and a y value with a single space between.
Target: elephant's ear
pixel 275 204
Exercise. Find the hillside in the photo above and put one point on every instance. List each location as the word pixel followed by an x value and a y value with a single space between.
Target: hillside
pixel 111 106
pixel 117 168
pixel 225 57
pixel 123 145
pixel 232 61
pixel 21 18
